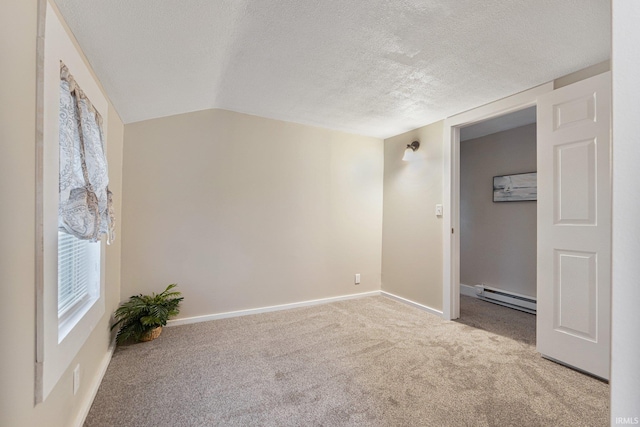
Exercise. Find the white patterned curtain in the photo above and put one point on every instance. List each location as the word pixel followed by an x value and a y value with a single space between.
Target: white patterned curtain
pixel 85 205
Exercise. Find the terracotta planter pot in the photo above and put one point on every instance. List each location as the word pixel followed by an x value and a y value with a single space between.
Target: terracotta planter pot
pixel 152 334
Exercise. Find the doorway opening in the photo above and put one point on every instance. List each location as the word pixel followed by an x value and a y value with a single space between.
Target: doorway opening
pixel 451 230
pixel 498 221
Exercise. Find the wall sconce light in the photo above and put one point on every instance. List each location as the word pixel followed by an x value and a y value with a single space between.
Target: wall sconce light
pixel 411 148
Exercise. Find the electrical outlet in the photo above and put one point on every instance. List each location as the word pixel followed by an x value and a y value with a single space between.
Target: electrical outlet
pixel 76 379
pixel 357 279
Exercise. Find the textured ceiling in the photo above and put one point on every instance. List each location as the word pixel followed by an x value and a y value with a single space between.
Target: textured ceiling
pixel 372 67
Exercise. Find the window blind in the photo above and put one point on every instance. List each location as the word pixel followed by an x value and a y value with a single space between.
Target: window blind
pixel 74 272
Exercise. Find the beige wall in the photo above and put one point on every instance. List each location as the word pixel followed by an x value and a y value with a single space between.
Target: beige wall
pixel 412 234
pixel 17 247
pixel 497 240
pixel 625 322
pixel 245 212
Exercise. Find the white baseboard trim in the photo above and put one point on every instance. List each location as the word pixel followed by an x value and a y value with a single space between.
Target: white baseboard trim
pixel 94 386
pixel 468 290
pixel 412 303
pixel 208 317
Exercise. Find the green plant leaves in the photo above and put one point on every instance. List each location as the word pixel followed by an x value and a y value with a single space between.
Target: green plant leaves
pixel 142 313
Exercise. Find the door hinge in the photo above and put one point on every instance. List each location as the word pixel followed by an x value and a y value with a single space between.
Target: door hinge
pixel 452 231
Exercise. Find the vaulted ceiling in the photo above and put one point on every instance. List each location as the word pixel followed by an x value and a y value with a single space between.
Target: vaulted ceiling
pixel 372 67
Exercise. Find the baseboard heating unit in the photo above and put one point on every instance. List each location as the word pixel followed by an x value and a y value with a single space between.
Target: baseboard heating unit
pixel 508 299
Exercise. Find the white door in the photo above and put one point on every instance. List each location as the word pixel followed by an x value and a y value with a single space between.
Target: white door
pixel 574 224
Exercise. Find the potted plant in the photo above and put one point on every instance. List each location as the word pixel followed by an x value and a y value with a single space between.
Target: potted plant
pixel 143 316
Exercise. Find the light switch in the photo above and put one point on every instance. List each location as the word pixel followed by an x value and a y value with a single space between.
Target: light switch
pixel 357 279
pixel 438 210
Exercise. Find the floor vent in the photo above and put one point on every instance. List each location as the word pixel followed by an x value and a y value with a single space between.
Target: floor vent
pixel 508 299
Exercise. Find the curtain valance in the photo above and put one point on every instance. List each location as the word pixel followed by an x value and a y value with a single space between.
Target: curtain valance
pixel 85 202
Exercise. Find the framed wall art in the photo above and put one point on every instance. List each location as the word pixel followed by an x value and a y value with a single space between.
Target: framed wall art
pixel 515 188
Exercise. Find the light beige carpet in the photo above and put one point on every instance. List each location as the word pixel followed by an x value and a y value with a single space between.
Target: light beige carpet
pixel 363 362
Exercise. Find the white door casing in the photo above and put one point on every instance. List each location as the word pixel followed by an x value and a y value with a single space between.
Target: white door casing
pixel 451 186
pixel 574 225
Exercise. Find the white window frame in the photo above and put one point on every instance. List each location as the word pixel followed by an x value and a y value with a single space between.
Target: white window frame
pixel 54 351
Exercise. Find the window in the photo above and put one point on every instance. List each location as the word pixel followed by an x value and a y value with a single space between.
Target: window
pixel 84 204
pixel 78 279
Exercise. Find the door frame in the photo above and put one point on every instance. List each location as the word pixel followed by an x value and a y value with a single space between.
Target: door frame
pixel 451 186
